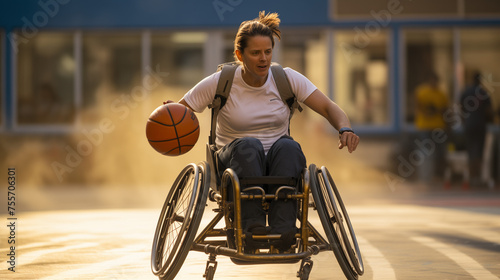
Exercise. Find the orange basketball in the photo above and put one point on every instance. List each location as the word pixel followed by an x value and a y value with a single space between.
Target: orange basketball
pixel 172 129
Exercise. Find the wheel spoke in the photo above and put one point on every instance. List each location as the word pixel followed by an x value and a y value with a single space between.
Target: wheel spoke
pixel 179 220
pixel 335 222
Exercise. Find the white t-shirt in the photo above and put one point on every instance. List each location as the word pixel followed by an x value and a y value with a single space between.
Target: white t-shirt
pixel 250 111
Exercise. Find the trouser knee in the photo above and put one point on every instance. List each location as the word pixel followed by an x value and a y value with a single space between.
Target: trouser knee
pixel 248 148
pixel 285 158
pixel 245 156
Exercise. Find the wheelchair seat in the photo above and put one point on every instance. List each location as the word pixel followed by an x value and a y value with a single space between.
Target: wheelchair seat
pixel 177 230
pixel 249 184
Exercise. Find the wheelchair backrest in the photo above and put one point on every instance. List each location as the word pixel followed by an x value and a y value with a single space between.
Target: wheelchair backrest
pixel 214 168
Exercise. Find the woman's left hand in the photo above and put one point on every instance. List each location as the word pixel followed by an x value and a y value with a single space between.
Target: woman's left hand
pixel 350 140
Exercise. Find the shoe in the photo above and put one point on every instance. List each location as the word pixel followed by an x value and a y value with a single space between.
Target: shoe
pixel 286 241
pixel 250 244
pixel 257 229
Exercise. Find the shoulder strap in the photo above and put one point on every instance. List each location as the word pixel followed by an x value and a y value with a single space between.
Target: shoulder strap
pixel 284 88
pixel 221 94
pixel 226 81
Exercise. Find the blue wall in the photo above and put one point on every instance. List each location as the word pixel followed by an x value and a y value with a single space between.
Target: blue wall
pixel 185 14
pixel 154 13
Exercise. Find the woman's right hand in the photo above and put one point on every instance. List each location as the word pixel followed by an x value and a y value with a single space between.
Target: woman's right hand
pixel 168 101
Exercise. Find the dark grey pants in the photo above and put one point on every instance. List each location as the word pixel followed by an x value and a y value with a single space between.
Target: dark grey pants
pixel 247 158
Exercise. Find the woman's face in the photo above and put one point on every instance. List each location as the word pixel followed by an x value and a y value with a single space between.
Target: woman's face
pixel 257 56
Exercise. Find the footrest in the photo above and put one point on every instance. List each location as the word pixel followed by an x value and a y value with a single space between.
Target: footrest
pixel 268 180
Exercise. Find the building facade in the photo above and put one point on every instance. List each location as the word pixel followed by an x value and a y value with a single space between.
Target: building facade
pixel 60 58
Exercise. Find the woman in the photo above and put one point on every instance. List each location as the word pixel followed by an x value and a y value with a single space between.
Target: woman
pixel 252 127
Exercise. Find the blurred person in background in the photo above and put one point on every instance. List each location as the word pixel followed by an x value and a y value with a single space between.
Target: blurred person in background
pixel 431 104
pixel 477 112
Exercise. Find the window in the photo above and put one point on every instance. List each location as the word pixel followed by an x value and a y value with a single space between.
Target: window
pixel 228 45
pixel 305 51
pixel 111 67
pixel 361 76
pixel 480 52
pixel 427 51
pixel 45 79
pixel 181 55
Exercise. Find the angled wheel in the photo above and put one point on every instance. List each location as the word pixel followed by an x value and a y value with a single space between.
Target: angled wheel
pixel 305 269
pixel 336 222
pixel 210 273
pixel 179 220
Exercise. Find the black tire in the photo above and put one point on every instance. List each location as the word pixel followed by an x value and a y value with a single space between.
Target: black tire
pixel 179 220
pixel 306 270
pixel 340 234
pixel 346 230
pixel 210 273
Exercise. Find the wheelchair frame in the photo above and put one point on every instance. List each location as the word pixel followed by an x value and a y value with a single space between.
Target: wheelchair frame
pixel 183 209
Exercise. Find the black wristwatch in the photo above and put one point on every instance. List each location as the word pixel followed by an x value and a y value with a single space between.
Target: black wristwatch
pixel 345 129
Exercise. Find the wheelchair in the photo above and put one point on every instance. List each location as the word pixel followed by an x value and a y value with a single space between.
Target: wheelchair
pixel 177 229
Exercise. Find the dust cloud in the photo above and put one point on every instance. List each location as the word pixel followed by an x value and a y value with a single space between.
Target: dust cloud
pixel 105 155
pixel 108 161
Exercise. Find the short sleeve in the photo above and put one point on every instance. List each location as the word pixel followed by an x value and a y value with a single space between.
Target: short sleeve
pixel 301 86
pixel 203 93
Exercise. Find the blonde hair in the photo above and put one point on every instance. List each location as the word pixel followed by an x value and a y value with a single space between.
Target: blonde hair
pixel 264 25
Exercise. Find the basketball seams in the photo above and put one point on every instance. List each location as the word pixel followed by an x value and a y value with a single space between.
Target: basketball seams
pixel 166 140
pixel 183 116
pixel 175 128
pixel 159 141
pixel 160 123
pixel 168 152
pixel 189 133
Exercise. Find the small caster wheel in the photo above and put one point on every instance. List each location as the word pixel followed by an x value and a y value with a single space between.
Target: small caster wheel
pixel 305 269
pixel 210 273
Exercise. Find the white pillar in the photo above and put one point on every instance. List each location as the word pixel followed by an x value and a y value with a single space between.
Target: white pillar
pixel 213 52
pixel 78 85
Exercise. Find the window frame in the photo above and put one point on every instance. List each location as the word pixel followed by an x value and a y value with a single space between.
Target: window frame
pixel 211 50
pixel 144 36
pixel 406 126
pixel 391 124
pixel 43 128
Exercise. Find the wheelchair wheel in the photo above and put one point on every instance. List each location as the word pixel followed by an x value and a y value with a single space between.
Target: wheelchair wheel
pixel 210 273
pixel 179 220
pixel 336 222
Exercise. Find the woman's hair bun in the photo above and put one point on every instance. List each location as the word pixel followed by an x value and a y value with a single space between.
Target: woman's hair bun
pixel 270 20
pixel 265 25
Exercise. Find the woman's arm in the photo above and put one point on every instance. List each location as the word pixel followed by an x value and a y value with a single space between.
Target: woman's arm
pixel 201 95
pixel 182 101
pixel 335 115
